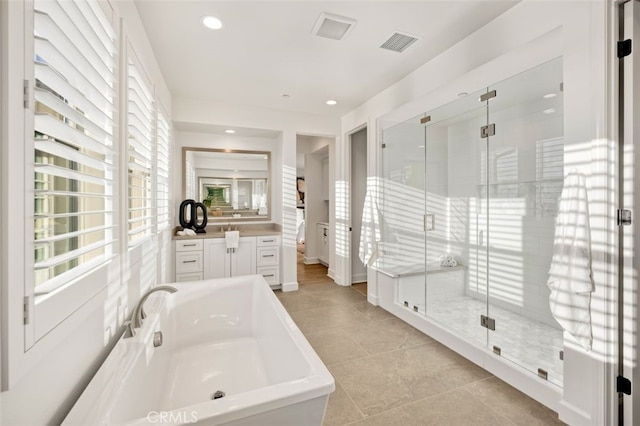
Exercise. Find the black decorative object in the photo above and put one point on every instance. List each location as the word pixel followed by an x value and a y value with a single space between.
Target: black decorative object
pixel 199 227
pixel 192 223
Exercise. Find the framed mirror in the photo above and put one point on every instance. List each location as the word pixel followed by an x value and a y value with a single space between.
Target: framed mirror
pixel 232 184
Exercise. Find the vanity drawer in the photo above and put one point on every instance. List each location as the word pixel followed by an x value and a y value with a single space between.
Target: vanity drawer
pixel 188 245
pixel 271 274
pixel 268 256
pixel 193 276
pixel 268 240
pixel 188 261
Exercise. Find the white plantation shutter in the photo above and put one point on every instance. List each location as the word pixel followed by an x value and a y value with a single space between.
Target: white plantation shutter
pixel 162 180
pixel 75 68
pixel 140 154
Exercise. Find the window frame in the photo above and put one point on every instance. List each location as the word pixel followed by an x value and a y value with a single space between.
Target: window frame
pixel 62 299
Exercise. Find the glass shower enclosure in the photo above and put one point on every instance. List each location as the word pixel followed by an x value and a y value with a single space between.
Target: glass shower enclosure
pixel 469 200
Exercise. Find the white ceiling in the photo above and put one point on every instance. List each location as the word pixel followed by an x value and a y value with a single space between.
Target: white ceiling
pixel 267 49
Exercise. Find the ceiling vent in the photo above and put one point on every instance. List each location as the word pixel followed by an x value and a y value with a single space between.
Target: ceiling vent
pixel 399 42
pixel 333 26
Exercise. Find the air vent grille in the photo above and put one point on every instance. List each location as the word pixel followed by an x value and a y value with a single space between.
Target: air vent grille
pixel 333 26
pixel 399 42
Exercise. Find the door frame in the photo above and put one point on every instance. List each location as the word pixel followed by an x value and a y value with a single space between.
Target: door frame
pixel 346 261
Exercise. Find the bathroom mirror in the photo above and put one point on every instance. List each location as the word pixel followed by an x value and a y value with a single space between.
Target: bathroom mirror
pixel 232 184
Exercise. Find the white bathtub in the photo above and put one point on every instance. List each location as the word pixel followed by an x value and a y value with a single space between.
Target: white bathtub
pixel 229 334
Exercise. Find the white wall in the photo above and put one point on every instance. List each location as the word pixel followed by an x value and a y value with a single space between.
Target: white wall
pixel 45 381
pixel 527 35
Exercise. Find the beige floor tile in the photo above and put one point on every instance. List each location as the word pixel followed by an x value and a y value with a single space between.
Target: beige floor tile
pixel 456 407
pixel 340 410
pixel 387 335
pixel 341 295
pixel 313 320
pixel 369 312
pixel 320 286
pixel 386 381
pixel 299 301
pixel 512 404
pixel 334 346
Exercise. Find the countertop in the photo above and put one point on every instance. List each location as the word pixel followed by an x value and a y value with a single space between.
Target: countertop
pixel 214 231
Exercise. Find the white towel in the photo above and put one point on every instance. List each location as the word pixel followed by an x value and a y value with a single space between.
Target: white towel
pixel 448 261
pixel 370 232
pixel 570 276
pixel 232 238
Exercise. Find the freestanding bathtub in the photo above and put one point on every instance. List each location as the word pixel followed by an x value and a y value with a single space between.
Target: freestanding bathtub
pixel 230 335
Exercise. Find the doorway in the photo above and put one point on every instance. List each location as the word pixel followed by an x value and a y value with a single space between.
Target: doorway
pixel 358 159
pixel 313 207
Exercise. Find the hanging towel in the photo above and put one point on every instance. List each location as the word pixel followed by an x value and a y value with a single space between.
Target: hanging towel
pixel 570 276
pixel 370 232
pixel 232 238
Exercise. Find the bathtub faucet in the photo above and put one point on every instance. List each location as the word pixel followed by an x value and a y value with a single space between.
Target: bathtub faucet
pixel 138 311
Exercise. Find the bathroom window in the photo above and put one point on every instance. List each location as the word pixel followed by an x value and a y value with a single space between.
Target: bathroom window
pixel 162 160
pixel 140 154
pixel 74 69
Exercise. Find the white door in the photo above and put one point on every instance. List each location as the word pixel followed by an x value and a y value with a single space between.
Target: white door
pixel 243 259
pixel 630 234
pixel 216 259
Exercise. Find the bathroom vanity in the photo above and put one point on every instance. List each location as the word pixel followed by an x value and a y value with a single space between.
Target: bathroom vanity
pixel 206 256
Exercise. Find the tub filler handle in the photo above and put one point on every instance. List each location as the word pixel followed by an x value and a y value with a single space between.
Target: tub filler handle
pixel 138 312
pixel 157 339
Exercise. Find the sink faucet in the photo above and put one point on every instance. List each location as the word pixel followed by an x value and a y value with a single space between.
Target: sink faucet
pixel 138 311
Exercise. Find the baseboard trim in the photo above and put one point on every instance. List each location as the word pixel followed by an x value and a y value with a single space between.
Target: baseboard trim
pixel 331 274
pixel 374 300
pixel 293 286
pixel 571 414
pixel 359 278
pixel 311 260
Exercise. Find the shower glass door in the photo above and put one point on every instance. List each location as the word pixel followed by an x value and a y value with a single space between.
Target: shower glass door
pixel 403 189
pixel 525 175
pixel 455 216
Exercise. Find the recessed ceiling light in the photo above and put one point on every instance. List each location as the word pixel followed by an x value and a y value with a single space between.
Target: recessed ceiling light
pixel 549 111
pixel 332 102
pixel 462 94
pixel 549 95
pixel 229 131
pixel 285 96
pixel 212 22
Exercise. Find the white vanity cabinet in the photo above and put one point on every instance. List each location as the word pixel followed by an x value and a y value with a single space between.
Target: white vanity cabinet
pixel 268 258
pixel 189 260
pixel 220 262
pixel 205 258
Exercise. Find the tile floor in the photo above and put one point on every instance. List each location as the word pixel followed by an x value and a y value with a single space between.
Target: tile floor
pixel 530 344
pixel 388 373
